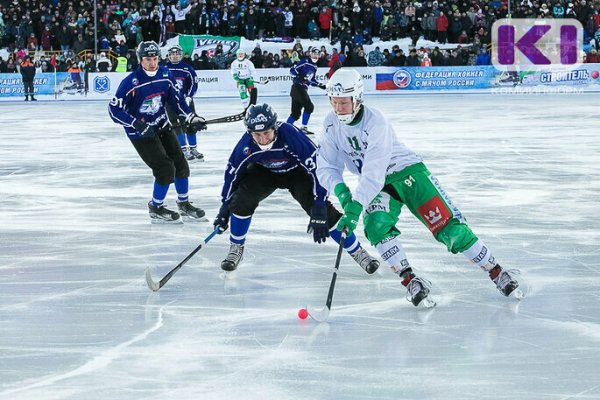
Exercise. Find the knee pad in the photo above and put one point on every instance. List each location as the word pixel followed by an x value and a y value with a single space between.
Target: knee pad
pixel 310 107
pixel 165 174
pixel 456 236
pixel 182 168
pixel 239 205
pixel 379 226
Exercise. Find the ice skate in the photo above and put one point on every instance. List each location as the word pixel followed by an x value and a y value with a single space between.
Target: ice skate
pixel 366 262
pixel 506 284
pixel 162 215
pixel 418 291
pixel 236 252
pixel 196 154
pixel 306 131
pixel 188 154
pixel 186 209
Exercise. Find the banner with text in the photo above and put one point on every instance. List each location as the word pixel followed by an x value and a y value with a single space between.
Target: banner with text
pixel 381 80
pixel 58 84
pixel 195 44
pixel 487 78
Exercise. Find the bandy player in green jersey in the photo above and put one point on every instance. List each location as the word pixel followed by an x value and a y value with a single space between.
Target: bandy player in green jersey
pixel 360 139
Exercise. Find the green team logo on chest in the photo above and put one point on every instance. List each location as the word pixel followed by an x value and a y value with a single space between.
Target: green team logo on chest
pixel 354 143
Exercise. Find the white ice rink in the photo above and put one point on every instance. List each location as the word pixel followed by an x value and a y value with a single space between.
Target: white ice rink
pixel 78 322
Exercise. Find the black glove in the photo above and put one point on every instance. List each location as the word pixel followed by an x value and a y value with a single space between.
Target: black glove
pixel 222 220
pixel 322 86
pixel 195 122
pixel 146 131
pixel 318 223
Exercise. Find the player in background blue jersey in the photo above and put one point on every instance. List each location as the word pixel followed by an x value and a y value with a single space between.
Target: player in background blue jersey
pixel 186 82
pixel 270 156
pixel 304 73
pixel 139 105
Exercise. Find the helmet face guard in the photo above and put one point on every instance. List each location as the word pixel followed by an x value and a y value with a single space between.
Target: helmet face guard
pixel 314 54
pixel 175 54
pixel 347 83
pixel 241 54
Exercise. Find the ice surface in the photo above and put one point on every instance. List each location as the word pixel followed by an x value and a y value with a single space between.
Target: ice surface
pixel 77 320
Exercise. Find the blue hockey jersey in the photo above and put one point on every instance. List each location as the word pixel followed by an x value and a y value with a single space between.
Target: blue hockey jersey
pixel 142 97
pixel 185 77
pixel 305 73
pixel 292 149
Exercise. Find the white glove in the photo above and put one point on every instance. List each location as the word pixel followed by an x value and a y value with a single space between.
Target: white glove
pixel 188 101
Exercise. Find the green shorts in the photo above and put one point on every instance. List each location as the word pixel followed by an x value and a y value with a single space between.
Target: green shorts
pixel 421 192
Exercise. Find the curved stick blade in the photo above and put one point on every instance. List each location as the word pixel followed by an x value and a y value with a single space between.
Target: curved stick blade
pixel 154 286
pixel 318 315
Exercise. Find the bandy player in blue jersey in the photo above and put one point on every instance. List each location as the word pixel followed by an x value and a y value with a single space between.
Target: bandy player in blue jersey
pixel 186 82
pixel 139 105
pixel 304 73
pixel 269 156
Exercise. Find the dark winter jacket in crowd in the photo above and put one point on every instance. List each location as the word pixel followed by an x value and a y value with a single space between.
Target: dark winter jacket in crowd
pixel 413 61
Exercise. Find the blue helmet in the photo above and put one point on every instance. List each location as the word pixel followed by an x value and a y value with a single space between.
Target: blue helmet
pixel 260 117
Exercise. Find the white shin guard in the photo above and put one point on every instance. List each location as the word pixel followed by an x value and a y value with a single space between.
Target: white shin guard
pixel 481 255
pixel 393 254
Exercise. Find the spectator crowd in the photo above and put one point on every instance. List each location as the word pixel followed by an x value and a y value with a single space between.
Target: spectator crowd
pixel 35 27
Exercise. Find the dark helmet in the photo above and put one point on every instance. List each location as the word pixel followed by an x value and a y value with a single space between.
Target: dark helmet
pixel 260 117
pixel 147 49
pixel 314 51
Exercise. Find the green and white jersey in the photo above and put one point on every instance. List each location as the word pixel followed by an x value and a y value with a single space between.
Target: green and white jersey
pixel 243 69
pixel 369 149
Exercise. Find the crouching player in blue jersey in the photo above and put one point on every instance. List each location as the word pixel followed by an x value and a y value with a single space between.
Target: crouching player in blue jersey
pixel 186 82
pixel 304 73
pixel 272 156
pixel 139 105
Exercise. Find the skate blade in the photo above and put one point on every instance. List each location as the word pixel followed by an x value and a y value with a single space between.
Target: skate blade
pixel 517 294
pixel 427 303
pixel 159 221
pixel 188 218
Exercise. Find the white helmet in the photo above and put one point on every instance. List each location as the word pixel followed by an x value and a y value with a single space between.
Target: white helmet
pixel 347 83
pixel 241 54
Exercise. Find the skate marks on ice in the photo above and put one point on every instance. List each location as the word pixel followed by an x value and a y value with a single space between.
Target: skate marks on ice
pixel 97 363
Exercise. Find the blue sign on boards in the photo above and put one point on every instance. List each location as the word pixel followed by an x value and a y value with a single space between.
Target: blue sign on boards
pixel 101 84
